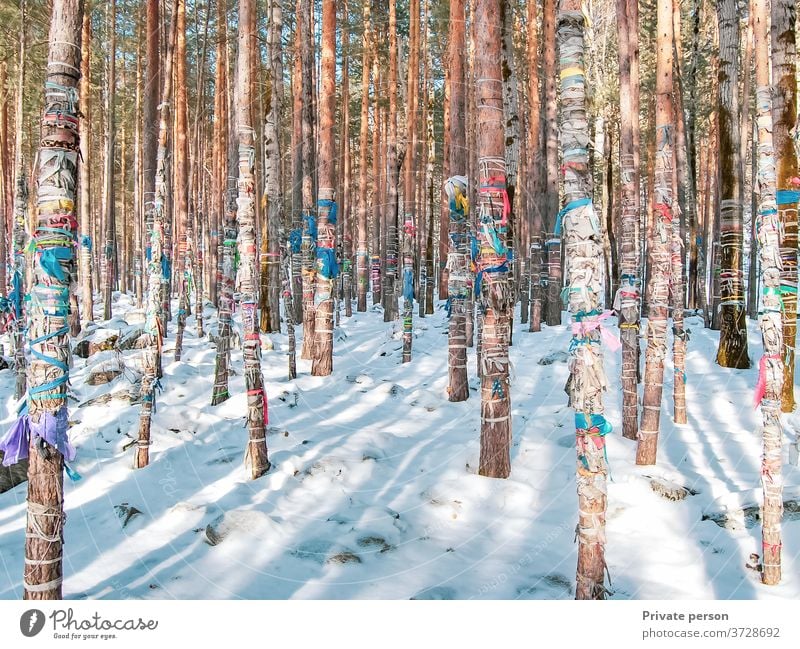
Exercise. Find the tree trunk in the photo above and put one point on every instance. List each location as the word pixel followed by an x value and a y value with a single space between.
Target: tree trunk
pixel 771 372
pixel 661 242
pixel 628 298
pixel 732 350
pixel 492 286
pixel 272 145
pixel 155 225
pixel 181 188
pixel 327 268
pixel 85 206
pixel 681 187
pixel 392 211
pixel 584 266
pixel 307 148
pixel 409 188
pixel 784 114
pixel 538 278
pixel 552 241
pixel 225 201
pixel 109 216
pixel 459 276
pixel 256 455
pixel 19 232
pixel 362 254
pixel 48 373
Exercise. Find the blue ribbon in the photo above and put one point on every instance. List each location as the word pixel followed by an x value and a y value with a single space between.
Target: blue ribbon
pixel 50 259
pixel 296 240
pixel 327 266
pixel 310 224
pixel 573 205
pixel 787 197
pixel 331 205
pixel 408 284
pixel 502 268
pixel 86 242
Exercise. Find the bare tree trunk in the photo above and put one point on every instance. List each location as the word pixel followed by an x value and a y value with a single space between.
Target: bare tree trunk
pixel 256 455
pixel 784 114
pixel 491 281
pixel 154 319
pixel 327 268
pixel 297 177
pixel 732 350
pixel 771 372
pixel 660 246
pixel 47 419
pixel 584 267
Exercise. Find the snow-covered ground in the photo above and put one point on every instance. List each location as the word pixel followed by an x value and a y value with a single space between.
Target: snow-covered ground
pixel 374 491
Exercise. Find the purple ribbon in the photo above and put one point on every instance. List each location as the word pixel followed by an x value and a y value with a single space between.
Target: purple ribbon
pixel 51 428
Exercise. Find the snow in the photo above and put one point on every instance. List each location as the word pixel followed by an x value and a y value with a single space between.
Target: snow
pixel 374 492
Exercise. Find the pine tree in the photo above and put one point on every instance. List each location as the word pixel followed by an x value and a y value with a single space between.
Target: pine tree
pixel 627 302
pixel 491 282
pixel 732 350
pixel 784 113
pixel 584 271
pixel 256 455
pixel 459 279
pixel 327 267
pixel 54 272
pixel 659 254
pixel 771 373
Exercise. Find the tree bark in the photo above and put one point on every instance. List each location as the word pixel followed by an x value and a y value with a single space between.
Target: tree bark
pixel 660 255
pixel 181 171
pixel 224 196
pixel 552 241
pixel 155 225
pixel 85 206
pixel 256 455
pixel 771 372
pixel 459 275
pixel 362 253
pixel 327 268
pixel 491 282
pixel 584 267
pixel 628 298
pixel 784 113
pixel 392 211
pixel 732 350
pixel 307 148
pixel 48 373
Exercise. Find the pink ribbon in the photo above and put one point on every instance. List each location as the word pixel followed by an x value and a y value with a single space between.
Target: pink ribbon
pixel 761 386
pixel 583 327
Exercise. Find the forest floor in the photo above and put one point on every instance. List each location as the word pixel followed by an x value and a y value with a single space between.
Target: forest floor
pixel 374 492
